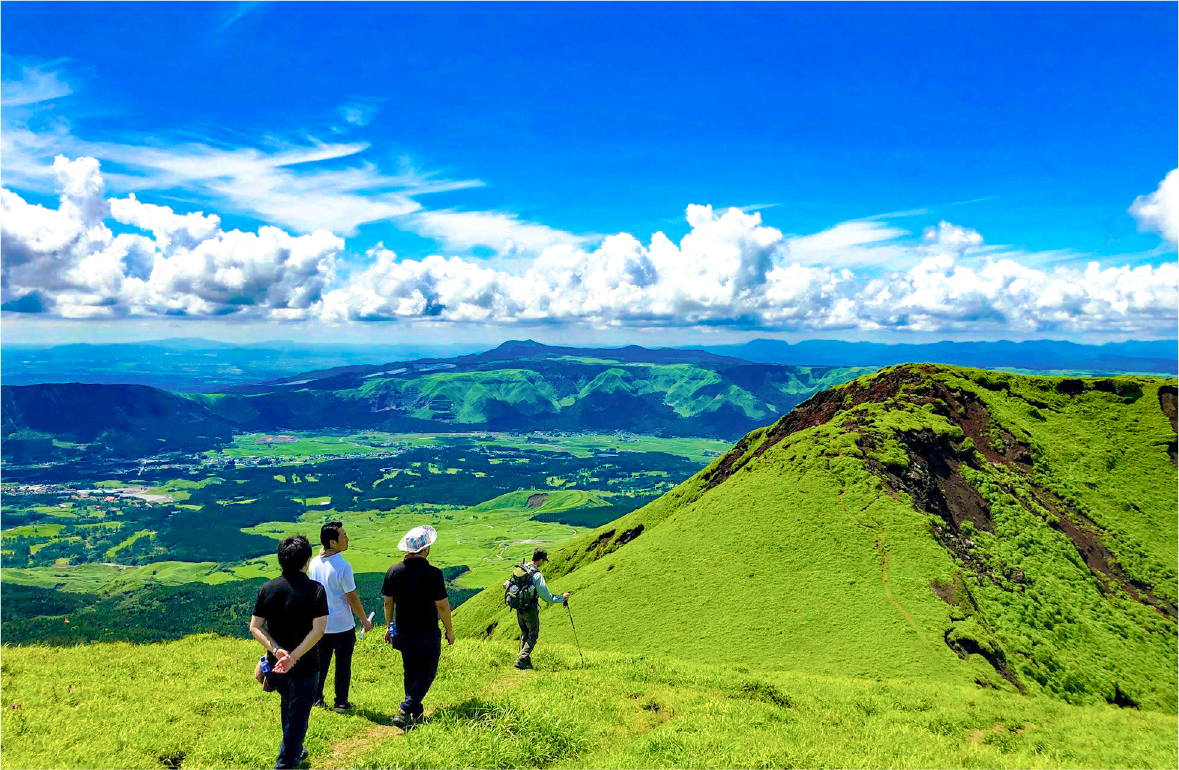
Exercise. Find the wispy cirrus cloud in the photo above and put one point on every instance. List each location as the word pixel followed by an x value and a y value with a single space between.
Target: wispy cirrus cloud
pixel 501 231
pixel 858 243
pixel 237 11
pixel 295 187
pixel 303 186
pixel 358 113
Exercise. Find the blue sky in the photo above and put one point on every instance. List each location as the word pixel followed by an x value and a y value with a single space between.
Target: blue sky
pixel 515 138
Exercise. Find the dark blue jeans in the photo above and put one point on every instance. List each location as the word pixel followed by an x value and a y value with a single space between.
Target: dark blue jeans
pixel 298 696
pixel 419 658
pixel 342 644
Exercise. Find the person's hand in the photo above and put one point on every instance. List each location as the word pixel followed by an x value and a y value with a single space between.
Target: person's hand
pixel 565 598
pixel 284 661
pixel 449 636
pixel 366 624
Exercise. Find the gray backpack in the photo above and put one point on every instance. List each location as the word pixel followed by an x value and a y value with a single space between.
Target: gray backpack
pixel 519 592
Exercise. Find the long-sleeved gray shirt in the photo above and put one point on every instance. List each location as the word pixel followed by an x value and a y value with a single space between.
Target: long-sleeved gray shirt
pixel 542 590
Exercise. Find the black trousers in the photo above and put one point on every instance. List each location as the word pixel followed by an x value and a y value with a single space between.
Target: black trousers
pixel 419 658
pixel 297 692
pixel 342 644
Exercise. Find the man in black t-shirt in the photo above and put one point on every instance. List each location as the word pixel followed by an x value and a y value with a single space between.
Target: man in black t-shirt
pixel 415 599
pixel 289 618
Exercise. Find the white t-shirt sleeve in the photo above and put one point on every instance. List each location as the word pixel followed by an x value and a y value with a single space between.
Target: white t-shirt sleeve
pixel 345 577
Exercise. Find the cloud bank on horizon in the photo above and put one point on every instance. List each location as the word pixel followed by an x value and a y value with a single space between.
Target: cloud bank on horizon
pixel 730 270
pixel 97 255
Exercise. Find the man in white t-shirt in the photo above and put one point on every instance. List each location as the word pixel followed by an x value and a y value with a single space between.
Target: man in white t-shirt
pixel 331 571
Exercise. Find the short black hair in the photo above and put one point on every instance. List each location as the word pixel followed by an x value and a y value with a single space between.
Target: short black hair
pixel 329 532
pixel 540 554
pixel 293 553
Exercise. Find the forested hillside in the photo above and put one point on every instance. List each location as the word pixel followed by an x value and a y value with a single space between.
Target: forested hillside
pixel 518 387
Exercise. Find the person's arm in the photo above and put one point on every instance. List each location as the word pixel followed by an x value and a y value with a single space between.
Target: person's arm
pixel 542 591
pixel 318 626
pixel 390 605
pixel 443 606
pixel 354 602
pixel 260 632
pixel 347 585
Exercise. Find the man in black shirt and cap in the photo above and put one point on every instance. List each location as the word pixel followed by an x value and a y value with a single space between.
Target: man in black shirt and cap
pixel 289 618
pixel 415 596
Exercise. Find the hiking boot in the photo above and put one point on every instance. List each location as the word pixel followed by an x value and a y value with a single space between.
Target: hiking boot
pixel 401 720
pixel 344 708
pixel 524 665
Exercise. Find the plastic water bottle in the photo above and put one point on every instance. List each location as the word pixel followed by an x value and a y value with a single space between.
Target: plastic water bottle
pixel 370 620
pixel 265 664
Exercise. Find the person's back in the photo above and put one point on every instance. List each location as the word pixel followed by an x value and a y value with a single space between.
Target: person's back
pixel 290 603
pixel 415 585
pixel 335 574
pixel 415 600
pixel 289 618
pixel 528 612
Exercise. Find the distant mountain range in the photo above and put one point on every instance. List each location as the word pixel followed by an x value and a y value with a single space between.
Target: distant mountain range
pixel 721 391
pixel 1157 356
pixel 519 386
pixel 195 365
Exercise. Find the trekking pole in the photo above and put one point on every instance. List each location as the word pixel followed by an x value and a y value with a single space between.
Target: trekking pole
pixel 571 623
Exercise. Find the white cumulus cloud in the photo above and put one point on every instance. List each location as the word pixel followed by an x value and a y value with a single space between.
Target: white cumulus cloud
pixel 1159 211
pixel 950 238
pixel 730 269
pixel 67 261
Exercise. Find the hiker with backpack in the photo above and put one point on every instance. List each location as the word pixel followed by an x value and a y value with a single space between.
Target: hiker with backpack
pixel 290 615
pixel 415 600
pixel 523 592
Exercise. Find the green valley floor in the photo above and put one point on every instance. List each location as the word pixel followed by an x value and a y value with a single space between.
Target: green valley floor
pixel 193 703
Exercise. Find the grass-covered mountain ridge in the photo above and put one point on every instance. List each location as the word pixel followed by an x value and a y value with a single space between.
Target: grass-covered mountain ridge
pixel 927 522
pixel 519 386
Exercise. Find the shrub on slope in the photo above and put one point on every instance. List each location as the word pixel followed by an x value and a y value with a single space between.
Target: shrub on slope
pixel 948 524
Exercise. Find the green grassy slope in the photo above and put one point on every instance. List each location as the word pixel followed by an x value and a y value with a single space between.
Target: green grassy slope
pixel 952 525
pixel 193 703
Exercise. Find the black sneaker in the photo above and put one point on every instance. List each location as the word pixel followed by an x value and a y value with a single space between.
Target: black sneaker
pixel 401 720
pixel 344 708
pixel 304 756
